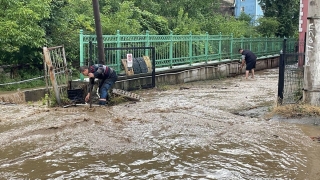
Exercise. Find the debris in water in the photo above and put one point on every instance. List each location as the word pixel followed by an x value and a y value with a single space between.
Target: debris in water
pixel 181 88
pixel 315 138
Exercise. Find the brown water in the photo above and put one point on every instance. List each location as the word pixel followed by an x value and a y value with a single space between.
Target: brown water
pixel 206 130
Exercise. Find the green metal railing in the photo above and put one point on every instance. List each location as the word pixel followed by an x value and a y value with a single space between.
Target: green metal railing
pixel 173 50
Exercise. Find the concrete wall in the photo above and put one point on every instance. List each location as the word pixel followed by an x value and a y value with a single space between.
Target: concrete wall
pixel 194 73
pixel 177 75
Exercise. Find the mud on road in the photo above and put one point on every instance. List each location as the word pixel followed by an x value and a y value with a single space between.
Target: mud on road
pixel 201 130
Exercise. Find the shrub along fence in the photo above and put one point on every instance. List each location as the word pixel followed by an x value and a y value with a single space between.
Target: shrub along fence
pixel 173 50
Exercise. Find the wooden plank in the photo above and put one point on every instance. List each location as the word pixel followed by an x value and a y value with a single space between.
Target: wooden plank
pixel 127 94
pixel 54 84
pixel 129 71
pixel 148 62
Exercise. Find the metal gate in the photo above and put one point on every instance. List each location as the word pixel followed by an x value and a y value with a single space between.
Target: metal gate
pixel 291 73
pixel 57 74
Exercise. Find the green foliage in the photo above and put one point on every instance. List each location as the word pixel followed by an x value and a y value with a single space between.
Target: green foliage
pixel 45 100
pixel 227 25
pixel 185 25
pixel 20 29
pixel 122 20
pixel 267 25
pixel 194 8
pixel 245 17
pixel 154 23
pixel 52 100
pixel 62 27
pixel 28 25
pixel 20 76
pixel 286 13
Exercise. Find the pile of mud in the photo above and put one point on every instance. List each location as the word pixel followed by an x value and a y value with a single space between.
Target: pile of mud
pixel 14 98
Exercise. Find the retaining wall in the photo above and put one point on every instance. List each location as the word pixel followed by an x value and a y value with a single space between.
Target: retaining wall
pixel 176 75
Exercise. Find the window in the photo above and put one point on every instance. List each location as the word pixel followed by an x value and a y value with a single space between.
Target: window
pixel 242 9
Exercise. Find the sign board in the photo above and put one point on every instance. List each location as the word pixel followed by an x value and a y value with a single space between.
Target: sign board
pixel 129 60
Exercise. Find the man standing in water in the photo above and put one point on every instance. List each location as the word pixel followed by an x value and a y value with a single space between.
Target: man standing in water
pixel 105 74
pixel 250 60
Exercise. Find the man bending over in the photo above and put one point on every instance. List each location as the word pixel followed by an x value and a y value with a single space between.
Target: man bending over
pixel 250 60
pixel 105 74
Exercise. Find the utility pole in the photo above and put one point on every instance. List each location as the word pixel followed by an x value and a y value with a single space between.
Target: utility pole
pixel 311 93
pixel 96 12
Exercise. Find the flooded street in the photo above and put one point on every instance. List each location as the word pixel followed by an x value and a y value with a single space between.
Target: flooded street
pixel 201 130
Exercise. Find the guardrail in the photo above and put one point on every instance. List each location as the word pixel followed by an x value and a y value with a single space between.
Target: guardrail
pixel 172 50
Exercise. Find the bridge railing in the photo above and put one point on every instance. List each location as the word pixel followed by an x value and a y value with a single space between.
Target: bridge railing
pixel 173 50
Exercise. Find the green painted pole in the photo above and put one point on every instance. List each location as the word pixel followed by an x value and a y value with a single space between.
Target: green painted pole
pixel 147 44
pixel 259 51
pixel 250 45
pixel 171 49
pixel 242 39
pixel 190 48
pixel 81 53
pixel 272 45
pixel 118 52
pixel 207 46
pixel 266 45
pixel 231 47
pixel 220 46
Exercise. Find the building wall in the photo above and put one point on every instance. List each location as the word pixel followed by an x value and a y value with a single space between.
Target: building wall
pixel 227 7
pixel 250 7
pixel 303 27
pixel 303 22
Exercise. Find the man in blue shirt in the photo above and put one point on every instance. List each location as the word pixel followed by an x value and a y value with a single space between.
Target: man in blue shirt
pixel 250 60
pixel 105 74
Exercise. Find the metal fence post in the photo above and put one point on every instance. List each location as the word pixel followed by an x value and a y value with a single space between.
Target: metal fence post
pixel 281 78
pixel 231 46
pixel 281 71
pixel 90 54
pixel 207 46
pixel 242 42
pixel 265 46
pixel 190 48
pixel 259 49
pixel 284 45
pixel 250 44
pixel 220 46
pixel 81 53
pixel 118 52
pixel 171 49
pixel 147 42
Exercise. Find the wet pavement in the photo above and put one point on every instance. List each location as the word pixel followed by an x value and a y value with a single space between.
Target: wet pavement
pixel 201 130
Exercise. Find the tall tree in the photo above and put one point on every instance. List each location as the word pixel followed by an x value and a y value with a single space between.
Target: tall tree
pixel 286 12
pixel 62 27
pixel 245 17
pixel 267 25
pixel 194 8
pixel 20 32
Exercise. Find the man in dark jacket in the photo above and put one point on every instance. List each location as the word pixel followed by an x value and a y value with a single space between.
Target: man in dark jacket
pixel 250 60
pixel 105 74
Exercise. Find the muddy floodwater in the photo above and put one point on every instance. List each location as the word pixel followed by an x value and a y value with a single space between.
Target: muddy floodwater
pixel 201 130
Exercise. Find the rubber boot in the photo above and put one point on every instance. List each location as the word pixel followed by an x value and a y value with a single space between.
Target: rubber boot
pixel 102 103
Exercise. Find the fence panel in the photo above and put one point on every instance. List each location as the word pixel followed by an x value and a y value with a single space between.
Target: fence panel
pixel 173 50
pixel 291 74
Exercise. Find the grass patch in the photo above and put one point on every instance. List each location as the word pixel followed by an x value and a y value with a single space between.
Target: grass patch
pixel 296 110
